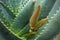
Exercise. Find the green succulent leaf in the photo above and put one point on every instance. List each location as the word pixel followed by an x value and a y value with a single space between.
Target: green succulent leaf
pixel 15 17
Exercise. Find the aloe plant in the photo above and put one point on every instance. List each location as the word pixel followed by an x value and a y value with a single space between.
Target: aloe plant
pixel 30 19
